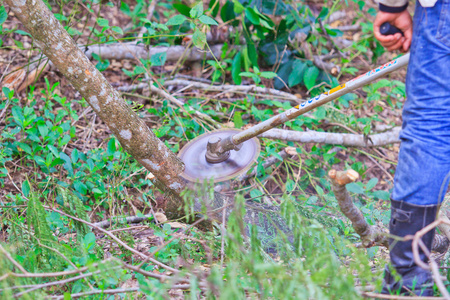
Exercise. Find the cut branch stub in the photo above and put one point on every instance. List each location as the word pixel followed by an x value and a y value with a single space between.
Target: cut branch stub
pixel 133 134
pixel 370 235
pixel 343 177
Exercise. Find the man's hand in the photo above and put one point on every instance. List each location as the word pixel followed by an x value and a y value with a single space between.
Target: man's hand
pixel 400 20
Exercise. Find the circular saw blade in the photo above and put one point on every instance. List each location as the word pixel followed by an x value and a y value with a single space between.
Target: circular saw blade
pixel 198 169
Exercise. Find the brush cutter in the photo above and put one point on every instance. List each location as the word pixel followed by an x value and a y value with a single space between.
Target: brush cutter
pixel 224 154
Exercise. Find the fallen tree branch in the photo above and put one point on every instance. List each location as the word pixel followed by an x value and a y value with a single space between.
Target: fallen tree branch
pixel 345 139
pixel 370 235
pixel 224 88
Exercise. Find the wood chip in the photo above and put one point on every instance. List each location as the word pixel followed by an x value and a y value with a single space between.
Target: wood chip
pixel 291 150
pixel 160 217
pixel 177 225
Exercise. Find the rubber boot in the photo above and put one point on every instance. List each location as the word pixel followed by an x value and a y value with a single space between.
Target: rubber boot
pixel 407 219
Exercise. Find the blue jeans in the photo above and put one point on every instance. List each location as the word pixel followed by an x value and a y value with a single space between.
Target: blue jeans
pixel 424 158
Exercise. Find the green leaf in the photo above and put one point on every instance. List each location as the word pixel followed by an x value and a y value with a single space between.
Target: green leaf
pixel 128 73
pixel 102 65
pixel 182 8
pixel 265 24
pixel 384 195
pixel 208 20
pixel 43 130
pixel 268 75
pixel 296 76
pixel 353 187
pixel 236 68
pixel 255 193
pixel 238 7
pixel 199 39
pixel 59 17
pixel 80 187
pixel 252 16
pixel 75 155
pixel 310 77
pixel 21 32
pixel 320 113
pixel 215 6
pixel 139 70
pixel 26 188
pixel 39 160
pixel 102 22
pixel 89 241
pixel 3 15
pixel 24 147
pixel 67 162
pixel 111 149
pixel 197 10
pixel 371 184
pixel 176 20
pixel 117 29
pixel 158 59
pixel 237 119
pixel 323 13
pixel 290 185
pixel 227 12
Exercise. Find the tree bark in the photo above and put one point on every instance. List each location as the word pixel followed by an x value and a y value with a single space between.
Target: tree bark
pixel 133 134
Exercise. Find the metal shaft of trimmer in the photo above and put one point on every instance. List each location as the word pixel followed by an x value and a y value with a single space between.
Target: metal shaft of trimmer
pixel 219 150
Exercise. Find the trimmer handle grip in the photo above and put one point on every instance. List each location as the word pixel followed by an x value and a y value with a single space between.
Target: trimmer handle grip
pixel 388 29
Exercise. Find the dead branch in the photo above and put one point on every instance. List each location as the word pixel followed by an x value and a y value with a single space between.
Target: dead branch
pixel 346 139
pixel 116 239
pixel 370 235
pixel 244 89
pixel 58 282
pixel 416 242
pixel 13 261
pixel 128 220
pixel 354 27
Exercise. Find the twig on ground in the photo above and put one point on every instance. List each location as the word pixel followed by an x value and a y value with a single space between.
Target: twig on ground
pixel 234 88
pixel 133 219
pixel 354 27
pixel 95 292
pixel 416 242
pixel 13 261
pixel 59 282
pixel 116 239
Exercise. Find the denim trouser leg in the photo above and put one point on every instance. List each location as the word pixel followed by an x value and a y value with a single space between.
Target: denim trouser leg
pixel 424 158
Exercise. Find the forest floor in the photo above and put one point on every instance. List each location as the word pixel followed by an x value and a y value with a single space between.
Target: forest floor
pixel 110 183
